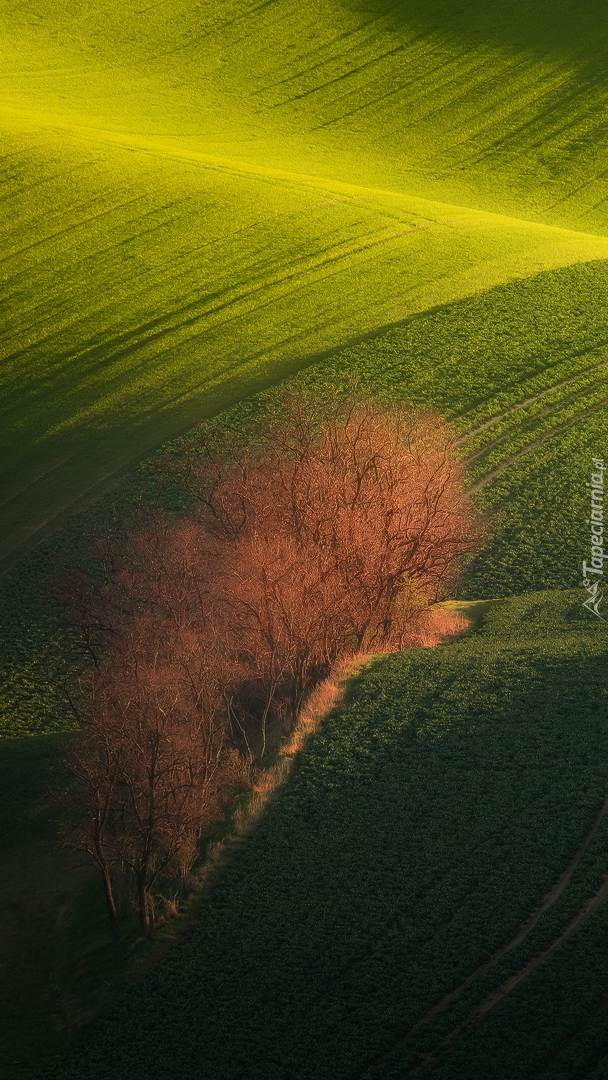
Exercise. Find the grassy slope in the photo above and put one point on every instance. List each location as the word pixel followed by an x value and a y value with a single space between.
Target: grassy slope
pixel 500 105
pixel 171 243
pixel 522 373
pixel 155 301
pixel 543 341
pixel 424 824
pixel 135 136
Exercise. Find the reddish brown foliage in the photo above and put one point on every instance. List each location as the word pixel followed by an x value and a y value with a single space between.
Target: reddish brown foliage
pixel 153 759
pixel 331 539
pixel 334 538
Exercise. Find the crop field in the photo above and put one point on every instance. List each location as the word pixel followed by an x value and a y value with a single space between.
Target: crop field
pixel 458 793
pixel 142 296
pixel 197 204
pixel 496 106
pixel 522 373
pixel 202 200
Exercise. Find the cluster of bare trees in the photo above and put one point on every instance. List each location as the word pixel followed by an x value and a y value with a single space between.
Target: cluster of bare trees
pixel 329 533
pixel 152 763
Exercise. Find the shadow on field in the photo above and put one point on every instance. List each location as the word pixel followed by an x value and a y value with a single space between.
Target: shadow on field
pixel 546 26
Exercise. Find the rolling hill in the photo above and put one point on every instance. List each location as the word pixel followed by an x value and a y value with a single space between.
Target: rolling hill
pixel 443 834
pixel 202 198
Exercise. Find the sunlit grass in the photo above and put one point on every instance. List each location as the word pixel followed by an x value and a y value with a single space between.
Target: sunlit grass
pixel 145 293
pixel 200 199
pixel 496 105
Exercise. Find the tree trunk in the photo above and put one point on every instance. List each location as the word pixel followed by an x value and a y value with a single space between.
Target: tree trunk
pixel 145 909
pixel 110 902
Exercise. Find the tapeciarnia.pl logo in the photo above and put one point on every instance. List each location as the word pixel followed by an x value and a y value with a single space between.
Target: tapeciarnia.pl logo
pixel 596 521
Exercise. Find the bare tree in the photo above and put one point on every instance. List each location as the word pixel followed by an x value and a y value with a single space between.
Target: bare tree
pixel 93 760
pixel 333 537
pixel 153 760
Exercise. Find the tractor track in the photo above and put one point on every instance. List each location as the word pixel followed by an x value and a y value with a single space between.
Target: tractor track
pixel 560 886
pixel 530 400
pixel 497 996
pixel 536 442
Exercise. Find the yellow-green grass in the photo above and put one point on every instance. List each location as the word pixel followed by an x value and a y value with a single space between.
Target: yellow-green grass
pixel 144 292
pixel 494 103
pixel 201 198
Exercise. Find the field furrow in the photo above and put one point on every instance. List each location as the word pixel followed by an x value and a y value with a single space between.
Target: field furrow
pixel 497 996
pixel 469 434
pixel 534 417
pixel 155 158
pixel 534 443
pixel 201 202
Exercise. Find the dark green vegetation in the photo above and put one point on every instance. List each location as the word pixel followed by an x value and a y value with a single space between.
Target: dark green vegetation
pixel 420 829
pixel 58 965
pixel 55 954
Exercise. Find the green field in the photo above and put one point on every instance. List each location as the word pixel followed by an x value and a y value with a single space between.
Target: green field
pixel 522 373
pixel 421 828
pixel 201 198
pixel 494 106
pixel 204 200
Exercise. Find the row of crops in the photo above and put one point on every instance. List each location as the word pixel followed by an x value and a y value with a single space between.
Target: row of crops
pixel 550 1009
pixel 560 1015
pixel 424 824
pixel 200 200
pixel 203 283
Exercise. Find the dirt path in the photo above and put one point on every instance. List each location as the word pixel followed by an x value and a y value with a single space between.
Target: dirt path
pixel 532 419
pixel 557 890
